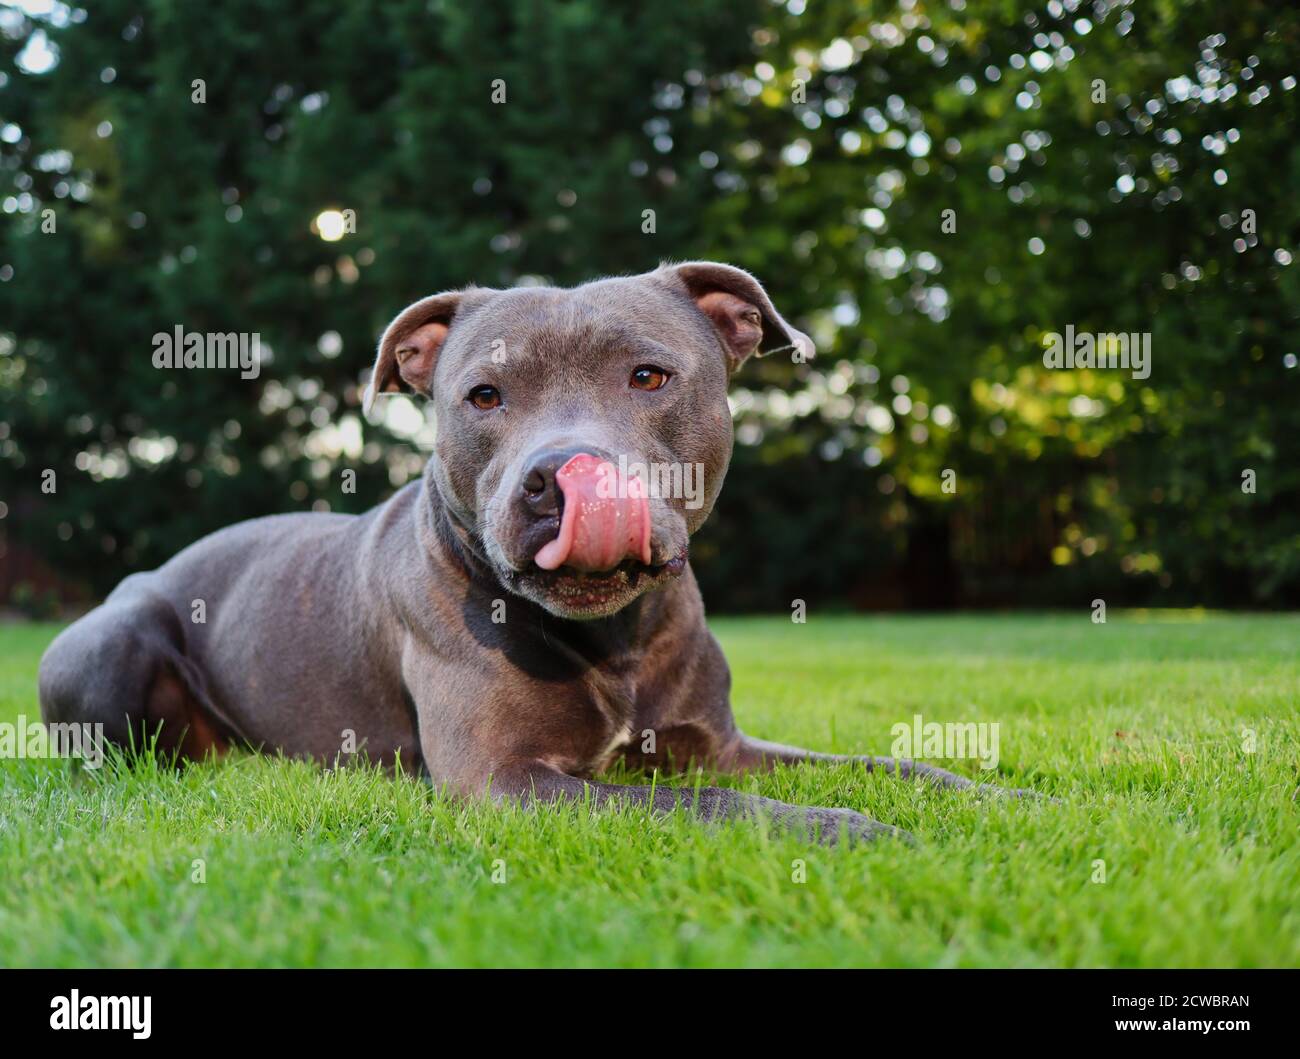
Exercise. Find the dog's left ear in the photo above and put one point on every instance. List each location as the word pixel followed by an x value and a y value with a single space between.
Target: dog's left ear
pixel 744 317
pixel 408 351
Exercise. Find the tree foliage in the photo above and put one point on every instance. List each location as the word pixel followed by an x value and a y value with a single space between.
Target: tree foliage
pixel 1112 167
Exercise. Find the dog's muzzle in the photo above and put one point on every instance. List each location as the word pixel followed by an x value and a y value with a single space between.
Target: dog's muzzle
pixel 604 515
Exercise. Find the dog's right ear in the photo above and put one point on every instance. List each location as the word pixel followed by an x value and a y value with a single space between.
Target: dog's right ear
pixel 409 348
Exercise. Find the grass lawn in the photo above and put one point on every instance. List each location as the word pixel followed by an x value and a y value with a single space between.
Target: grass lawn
pixel 1136 726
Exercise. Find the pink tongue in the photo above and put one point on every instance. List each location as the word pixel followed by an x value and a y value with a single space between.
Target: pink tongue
pixel 605 520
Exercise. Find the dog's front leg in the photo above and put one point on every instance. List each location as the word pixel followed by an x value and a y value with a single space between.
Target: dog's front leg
pixel 750 753
pixel 534 781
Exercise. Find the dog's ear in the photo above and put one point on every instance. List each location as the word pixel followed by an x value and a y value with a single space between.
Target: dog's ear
pixel 409 348
pixel 743 316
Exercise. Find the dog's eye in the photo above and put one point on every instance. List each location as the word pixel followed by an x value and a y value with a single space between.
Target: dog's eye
pixel 485 397
pixel 648 377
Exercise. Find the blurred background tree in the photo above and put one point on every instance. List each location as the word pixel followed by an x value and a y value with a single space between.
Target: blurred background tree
pixel 929 188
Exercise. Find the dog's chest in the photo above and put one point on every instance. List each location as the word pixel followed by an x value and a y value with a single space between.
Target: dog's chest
pixel 602 717
pixel 601 726
pixel 621 738
pixel 593 753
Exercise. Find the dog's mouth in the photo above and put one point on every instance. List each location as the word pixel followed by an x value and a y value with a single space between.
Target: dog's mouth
pixel 582 593
pixel 594 551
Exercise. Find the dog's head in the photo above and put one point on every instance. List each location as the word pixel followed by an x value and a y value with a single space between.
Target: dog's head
pixel 582 434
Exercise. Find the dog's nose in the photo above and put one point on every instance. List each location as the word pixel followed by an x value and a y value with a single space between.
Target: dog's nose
pixel 600 511
pixel 539 489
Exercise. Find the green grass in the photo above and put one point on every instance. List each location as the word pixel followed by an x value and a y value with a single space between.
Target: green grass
pixel 1136 726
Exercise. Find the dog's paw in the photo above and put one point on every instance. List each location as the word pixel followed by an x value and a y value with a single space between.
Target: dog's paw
pixel 831 826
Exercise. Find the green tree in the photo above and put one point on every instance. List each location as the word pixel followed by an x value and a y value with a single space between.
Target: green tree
pixel 932 188
pixel 185 150
pixel 955 181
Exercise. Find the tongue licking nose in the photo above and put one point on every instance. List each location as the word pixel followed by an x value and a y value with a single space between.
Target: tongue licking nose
pixel 605 519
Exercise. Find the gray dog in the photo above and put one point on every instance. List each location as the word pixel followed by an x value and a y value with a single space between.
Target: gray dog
pixel 515 621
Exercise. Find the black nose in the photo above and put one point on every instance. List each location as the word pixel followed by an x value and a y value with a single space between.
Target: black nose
pixel 538 488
